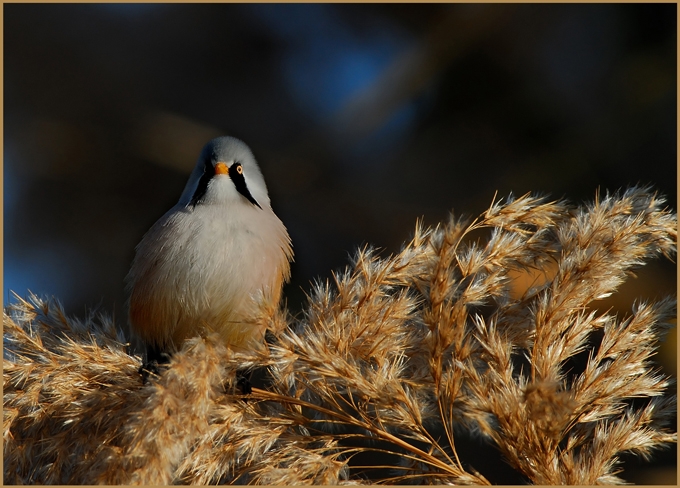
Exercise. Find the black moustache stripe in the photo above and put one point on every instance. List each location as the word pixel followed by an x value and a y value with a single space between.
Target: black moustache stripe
pixel 236 175
pixel 199 193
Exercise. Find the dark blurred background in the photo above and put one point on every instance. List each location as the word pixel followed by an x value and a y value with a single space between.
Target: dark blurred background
pixel 362 117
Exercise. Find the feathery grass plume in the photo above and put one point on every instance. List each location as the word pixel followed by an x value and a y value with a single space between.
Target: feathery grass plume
pixel 489 327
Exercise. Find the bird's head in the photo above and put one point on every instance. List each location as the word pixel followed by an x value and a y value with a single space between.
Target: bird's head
pixel 226 172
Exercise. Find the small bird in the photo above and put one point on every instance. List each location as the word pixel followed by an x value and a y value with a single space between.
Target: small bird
pixel 207 262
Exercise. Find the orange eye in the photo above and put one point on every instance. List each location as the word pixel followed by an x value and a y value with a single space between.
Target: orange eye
pixel 239 169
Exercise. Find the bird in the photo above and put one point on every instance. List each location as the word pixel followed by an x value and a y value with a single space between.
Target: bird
pixel 208 263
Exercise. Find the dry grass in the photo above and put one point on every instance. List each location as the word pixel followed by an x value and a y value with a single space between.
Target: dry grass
pixel 396 358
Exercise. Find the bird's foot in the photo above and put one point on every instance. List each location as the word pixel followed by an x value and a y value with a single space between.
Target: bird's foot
pixel 148 369
pixel 243 384
pixel 156 360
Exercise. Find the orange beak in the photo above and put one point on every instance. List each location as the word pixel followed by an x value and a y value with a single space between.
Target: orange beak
pixel 221 169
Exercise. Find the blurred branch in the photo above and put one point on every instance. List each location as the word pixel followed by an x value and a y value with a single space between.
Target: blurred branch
pixel 451 36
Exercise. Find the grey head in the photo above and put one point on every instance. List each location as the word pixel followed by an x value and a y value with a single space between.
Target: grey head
pixel 210 183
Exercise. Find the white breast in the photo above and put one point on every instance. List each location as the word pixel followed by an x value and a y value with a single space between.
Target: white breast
pixel 204 267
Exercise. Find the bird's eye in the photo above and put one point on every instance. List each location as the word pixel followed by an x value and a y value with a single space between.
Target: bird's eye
pixel 239 168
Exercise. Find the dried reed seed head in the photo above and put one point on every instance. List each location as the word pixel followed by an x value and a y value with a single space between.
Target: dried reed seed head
pixel 435 338
pixel 549 407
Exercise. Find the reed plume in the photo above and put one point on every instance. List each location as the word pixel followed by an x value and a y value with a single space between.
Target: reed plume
pixel 391 361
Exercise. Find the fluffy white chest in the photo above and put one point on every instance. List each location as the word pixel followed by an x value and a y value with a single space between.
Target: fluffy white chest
pixel 206 267
pixel 224 256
